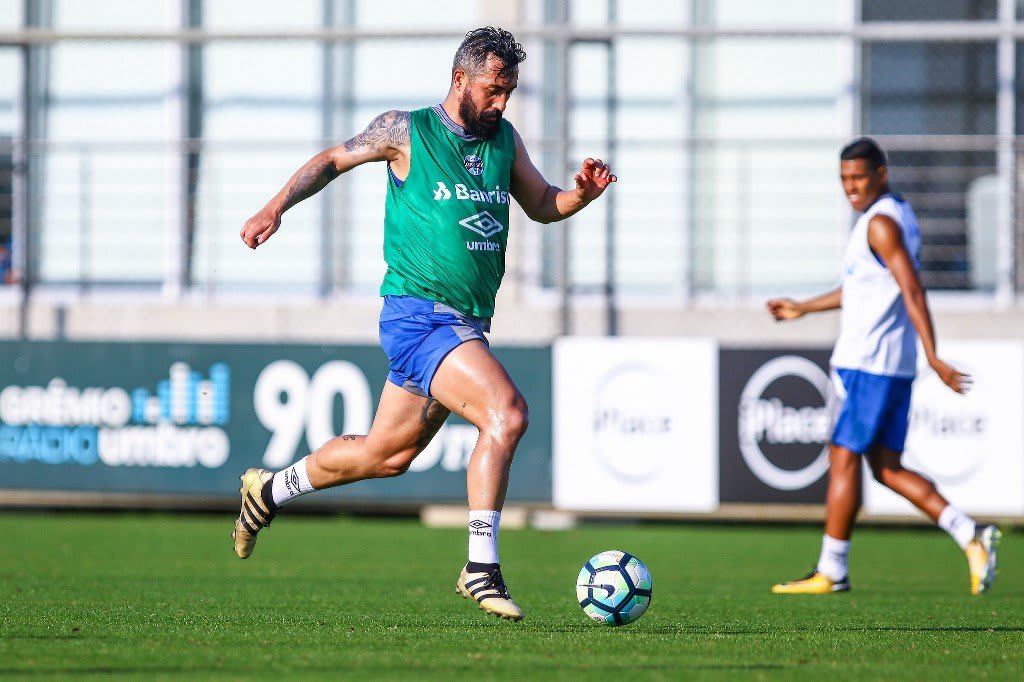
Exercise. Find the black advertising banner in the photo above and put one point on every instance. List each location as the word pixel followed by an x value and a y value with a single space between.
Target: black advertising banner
pixel 773 425
pixel 187 419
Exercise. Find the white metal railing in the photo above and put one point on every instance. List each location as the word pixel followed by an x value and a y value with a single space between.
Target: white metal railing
pixel 944 31
pixel 749 216
pixel 729 224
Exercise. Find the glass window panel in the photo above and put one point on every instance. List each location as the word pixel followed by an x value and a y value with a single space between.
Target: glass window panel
pixel 935 89
pixel 9 79
pixel 651 101
pixel 649 106
pixel 942 186
pixel 113 15
pixel 765 197
pixel 384 80
pixel 114 201
pixel 10 68
pixel 375 14
pixel 594 13
pixel 588 126
pixel 105 214
pixel 652 12
pixel 649 218
pixel 589 13
pixel 110 91
pixel 237 15
pixel 406 74
pixel 262 112
pixel 1019 88
pixel 11 16
pixel 106 207
pixel 767 13
pixel 930 88
pixel 767 201
pixel 651 122
pixel 928 10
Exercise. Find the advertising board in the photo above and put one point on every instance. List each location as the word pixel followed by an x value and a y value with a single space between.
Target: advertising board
pixel 773 425
pixel 971 445
pixel 635 424
pixel 187 419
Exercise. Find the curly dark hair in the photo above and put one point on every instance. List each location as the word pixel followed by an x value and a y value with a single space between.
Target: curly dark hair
pixel 481 42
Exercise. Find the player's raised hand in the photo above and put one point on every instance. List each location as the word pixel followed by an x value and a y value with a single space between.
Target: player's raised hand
pixel 260 227
pixel 592 179
pixel 784 309
pixel 958 381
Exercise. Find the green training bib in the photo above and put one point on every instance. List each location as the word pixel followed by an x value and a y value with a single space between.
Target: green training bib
pixel 446 226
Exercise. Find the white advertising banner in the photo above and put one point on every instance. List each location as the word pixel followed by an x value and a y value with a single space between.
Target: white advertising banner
pixel 635 424
pixel 971 445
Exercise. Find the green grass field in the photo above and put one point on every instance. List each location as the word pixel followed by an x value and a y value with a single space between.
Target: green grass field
pixel 156 596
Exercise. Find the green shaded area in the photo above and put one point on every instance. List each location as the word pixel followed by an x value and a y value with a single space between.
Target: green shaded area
pixel 159 597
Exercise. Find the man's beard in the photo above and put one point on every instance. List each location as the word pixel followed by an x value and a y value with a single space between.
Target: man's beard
pixel 482 125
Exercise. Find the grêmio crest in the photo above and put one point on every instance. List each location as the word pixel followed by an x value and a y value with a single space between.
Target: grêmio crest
pixel 474 164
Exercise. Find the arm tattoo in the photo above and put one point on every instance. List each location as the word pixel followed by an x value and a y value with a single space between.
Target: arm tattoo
pixel 390 129
pixel 310 179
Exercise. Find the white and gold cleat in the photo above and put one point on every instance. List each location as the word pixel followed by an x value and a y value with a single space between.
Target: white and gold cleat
pixel 257 511
pixel 981 558
pixel 812 583
pixel 489 591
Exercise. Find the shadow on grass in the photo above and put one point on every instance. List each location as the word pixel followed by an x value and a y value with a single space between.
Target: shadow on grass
pixel 75 636
pixel 103 670
pixel 154 670
pixel 937 628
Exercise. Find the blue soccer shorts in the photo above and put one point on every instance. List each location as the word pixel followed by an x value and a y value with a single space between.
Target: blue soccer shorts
pixel 417 335
pixel 869 409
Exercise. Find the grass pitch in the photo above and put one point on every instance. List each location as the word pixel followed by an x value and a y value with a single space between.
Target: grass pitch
pixel 157 597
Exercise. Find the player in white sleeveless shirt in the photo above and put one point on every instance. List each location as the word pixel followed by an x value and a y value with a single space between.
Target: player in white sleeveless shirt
pixel 883 314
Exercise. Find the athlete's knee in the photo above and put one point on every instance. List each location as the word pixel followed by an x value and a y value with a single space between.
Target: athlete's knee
pixel 881 473
pixel 843 462
pixel 885 466
pixel 515 417
pixel 509 420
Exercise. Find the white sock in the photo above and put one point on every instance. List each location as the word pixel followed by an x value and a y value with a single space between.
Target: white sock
pixel 960 526
pixel 483 536
pixel 832 561
pixel 291 482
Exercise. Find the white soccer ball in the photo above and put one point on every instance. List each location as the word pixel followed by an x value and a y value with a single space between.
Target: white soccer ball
pixel 614 588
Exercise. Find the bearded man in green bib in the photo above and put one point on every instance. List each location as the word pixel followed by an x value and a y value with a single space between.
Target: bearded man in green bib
pixel 452 170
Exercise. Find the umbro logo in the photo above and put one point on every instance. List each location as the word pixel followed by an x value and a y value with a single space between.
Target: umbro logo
pixel 483 223
pixel 478 524
pixel 291 480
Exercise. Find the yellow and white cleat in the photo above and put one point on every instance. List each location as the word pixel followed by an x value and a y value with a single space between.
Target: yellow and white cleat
pixel 488 590
pixel 257 511
pixel 981 558
pixel 812 583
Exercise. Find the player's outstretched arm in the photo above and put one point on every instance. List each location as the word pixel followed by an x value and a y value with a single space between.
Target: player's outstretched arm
pixel 788 309
pixel 385 139
pixel 545 203
pixel 886 240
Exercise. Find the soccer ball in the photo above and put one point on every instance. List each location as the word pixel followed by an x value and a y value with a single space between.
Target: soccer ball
pixel 614 588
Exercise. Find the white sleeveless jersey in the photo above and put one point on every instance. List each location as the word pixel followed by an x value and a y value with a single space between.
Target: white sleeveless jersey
pixel 875 332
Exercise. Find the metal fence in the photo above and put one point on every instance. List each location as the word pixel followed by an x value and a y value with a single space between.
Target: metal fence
pixel 739 219
pixel 699 213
